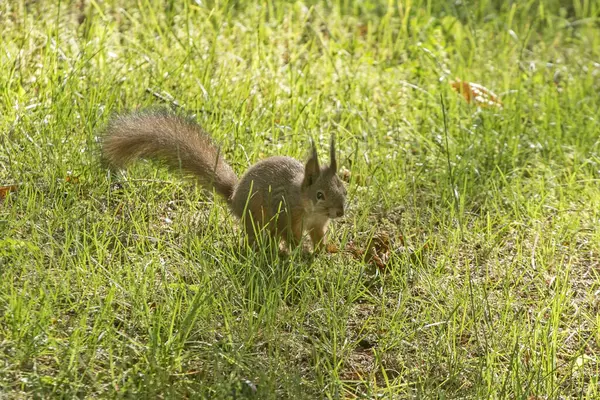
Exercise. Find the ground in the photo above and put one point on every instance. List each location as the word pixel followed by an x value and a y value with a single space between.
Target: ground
pixel 468 262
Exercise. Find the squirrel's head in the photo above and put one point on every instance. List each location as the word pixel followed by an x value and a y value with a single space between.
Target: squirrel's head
pixel 322 186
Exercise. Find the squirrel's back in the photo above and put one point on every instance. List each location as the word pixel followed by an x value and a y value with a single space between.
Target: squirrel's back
pixel 178 141
pixel 271 180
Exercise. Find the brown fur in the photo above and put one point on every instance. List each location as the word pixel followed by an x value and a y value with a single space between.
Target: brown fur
pixel 278 195
pixel 176 140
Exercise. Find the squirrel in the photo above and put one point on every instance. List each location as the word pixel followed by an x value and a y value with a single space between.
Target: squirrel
pixel 278 194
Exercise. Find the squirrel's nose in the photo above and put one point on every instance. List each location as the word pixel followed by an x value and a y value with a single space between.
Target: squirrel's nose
pixel 339 213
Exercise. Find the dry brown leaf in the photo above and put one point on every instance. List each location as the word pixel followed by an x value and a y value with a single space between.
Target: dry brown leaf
pixel 331 248
pixel 355 251
pixel 72 179
pixel 5 190
pixel 363 30
pixel 476 94
pixel 378 252
pixel 345 174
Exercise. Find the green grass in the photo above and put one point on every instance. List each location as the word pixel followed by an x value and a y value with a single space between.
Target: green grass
pixel 134 286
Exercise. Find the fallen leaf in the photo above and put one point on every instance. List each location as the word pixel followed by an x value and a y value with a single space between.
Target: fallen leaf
pixel 345 174
pixel 363 30
pixel 72 179
pixel 477 94
pixel 377 253
pixel 379 250
pixel 331 248
pixel 355 251
pixel 382 242
pixel 5 190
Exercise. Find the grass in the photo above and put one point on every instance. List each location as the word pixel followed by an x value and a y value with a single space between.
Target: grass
pixel 132 285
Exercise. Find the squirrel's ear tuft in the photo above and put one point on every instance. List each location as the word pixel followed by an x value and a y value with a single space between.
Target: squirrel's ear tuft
pixel 332 158
pixel 311 169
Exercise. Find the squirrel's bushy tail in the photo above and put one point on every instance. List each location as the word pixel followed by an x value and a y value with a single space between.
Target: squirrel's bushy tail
pixel 178 141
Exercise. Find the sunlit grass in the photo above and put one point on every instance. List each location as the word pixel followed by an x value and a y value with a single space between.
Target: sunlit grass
pixel 137 283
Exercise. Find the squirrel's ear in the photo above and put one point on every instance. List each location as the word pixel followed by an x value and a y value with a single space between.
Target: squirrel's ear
pixel 311 169
pixel 332 158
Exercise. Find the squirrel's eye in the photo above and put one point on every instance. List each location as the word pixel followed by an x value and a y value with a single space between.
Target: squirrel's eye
pixel 320 195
